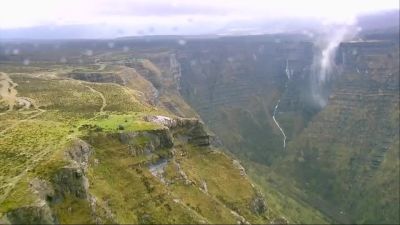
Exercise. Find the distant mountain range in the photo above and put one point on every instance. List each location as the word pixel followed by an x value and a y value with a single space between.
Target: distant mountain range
pixel 386 19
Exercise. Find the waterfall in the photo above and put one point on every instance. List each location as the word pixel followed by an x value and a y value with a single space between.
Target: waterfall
pixel 289 75
pixel 324 63
pixel 288 71
pixel 277 124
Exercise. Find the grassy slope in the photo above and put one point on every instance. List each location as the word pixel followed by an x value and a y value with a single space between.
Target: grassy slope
pixel 132 192
pixel 32 145
pixel 283 196
pixel 124 189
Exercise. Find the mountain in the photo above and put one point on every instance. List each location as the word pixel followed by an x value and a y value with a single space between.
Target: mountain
pixel 108 139
pixel 337 158
pixel 350 150
pixel 156 130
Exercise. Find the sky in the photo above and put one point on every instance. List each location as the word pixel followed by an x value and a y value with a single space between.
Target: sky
pixel 130 17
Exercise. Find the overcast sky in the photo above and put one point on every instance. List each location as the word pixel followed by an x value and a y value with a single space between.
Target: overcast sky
pixel 178 16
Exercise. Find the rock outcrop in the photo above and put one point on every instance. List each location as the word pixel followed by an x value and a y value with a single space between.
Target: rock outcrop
pixel 31 215
pixel 258 205
pixel 186 129
pixel 65 182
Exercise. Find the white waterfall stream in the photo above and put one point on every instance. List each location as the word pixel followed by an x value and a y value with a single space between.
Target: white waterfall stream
pixel 289 74
pixel 277 124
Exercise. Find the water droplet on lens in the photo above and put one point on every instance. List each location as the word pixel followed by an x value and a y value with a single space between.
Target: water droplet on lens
pixel 261 49
pixel 182 42
pixel 89 52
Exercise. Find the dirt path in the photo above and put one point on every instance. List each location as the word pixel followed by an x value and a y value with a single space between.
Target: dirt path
pixel 102 66
pixel 8 93
pixel 104 104
pixel 101 95
pixel 12 100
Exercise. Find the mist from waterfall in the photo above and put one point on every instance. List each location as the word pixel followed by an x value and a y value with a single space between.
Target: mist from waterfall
pixel 324 66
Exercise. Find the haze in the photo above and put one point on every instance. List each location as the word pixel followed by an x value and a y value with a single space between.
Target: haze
pixel 113 18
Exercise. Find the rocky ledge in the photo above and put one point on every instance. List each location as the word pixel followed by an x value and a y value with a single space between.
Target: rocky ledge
pixel 189 130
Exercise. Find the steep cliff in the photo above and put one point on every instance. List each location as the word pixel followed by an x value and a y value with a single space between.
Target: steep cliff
pixel 234 85
pixel 151 176
pixel 351 147
pixel 131 136
pixel 99 146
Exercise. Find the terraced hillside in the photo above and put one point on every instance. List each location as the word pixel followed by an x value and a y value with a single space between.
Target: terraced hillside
pixel 349 153
pixel 146 131
pixel 337 158
pixel 235 85
pixel 88 144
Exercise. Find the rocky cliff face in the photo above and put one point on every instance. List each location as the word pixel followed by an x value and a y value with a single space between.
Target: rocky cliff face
pixel 340 152
pixel 161 161
pixel 347 147
pixel 360 54
pixel 115 142
pixel 163 71
pixel 64 183
pixel 119 152
pixel 234 86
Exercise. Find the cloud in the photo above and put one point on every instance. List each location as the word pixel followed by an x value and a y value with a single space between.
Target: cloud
pixel 160 8
pixel 179 16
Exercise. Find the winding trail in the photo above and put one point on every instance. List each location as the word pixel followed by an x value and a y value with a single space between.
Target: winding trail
pixel 102 66
pixel 101 95
pixel 104 104
pixel 8 93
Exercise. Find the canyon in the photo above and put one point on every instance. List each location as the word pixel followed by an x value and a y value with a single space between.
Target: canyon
pixel 201 130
